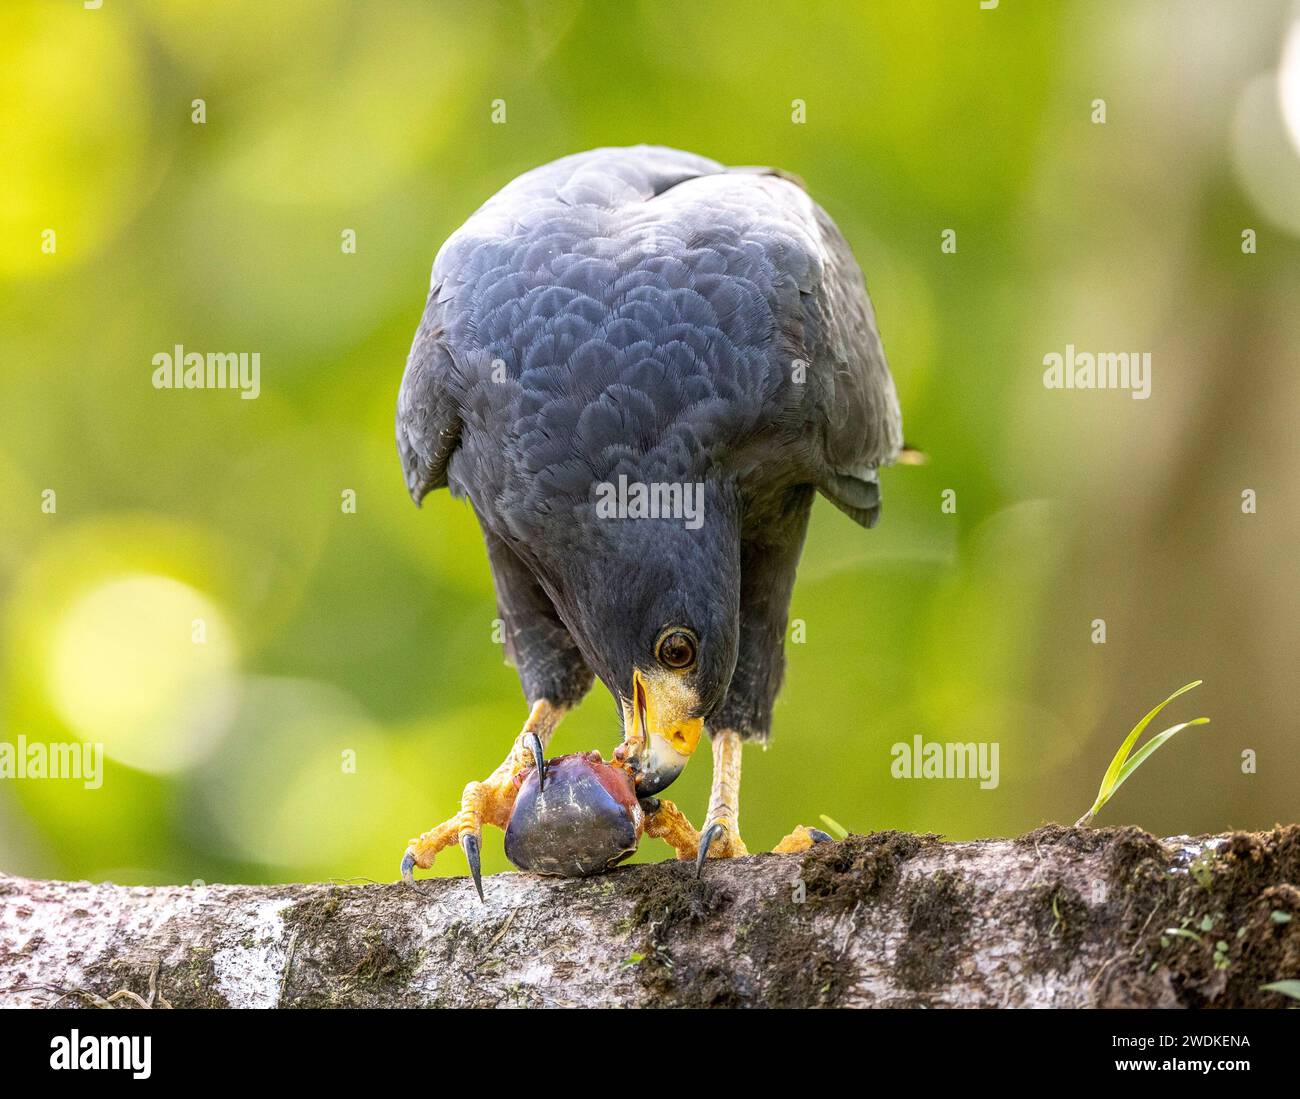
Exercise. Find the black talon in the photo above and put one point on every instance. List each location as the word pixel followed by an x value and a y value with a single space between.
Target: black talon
pixel 469 844
pixel 408 867
pixel 534 743
pixel 712 832
pixel 818 836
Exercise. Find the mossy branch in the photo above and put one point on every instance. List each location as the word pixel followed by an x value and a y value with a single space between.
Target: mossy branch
pixel 1059 917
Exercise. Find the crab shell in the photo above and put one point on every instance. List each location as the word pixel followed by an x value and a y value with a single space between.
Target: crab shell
pixel 585 820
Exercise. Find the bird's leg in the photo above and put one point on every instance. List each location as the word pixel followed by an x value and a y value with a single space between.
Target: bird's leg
pixel 489 801
pixel 720 836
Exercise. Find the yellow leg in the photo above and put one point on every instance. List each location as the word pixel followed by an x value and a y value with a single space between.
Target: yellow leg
pixel 721 831
pixel 486 802
pixel 722 825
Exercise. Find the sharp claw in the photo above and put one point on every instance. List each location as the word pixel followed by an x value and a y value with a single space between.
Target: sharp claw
pixel 712 832
pixel 534 743
pixel 469 843
pixel 408 867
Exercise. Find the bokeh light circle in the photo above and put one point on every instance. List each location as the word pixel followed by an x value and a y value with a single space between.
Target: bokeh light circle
pixel 73 133
pixel 145 665
pixel 1266 162
pixel 1288 84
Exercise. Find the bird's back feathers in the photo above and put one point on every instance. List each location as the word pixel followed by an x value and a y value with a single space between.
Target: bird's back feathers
pixel 648 312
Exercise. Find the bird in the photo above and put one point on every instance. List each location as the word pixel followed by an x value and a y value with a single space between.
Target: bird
pixel 644 318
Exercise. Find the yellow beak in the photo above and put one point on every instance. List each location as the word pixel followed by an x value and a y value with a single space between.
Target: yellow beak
pixel 663 736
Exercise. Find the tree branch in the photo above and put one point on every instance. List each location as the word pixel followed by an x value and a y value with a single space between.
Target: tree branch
pixel 1059 917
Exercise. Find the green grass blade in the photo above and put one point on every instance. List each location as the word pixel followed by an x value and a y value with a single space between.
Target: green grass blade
pixel 1286 988
pixel 1108 782
pixel 1139 757
pixel 835 828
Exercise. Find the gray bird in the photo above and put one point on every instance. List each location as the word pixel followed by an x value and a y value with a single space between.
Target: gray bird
pixel 639 367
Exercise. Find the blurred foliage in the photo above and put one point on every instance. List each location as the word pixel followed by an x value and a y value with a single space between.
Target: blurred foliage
pixel 332 637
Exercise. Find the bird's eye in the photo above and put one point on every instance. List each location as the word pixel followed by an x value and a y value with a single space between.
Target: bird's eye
pixel 676 650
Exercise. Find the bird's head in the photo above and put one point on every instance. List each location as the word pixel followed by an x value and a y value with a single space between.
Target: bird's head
pixel 665 698
pixel 654 605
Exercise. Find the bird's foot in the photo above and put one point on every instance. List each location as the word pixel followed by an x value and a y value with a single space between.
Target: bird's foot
pixel 801 839
pixel 719 839
pixel 665 821
pixel 486 802
pixel 720 836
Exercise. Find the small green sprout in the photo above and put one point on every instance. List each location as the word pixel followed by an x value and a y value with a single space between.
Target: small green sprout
pixel 1286 988
pixel 632 959
pixel 834 827
pixel 1060 924
pixel 1278 916
pixel 1121 766
pixel 1201 868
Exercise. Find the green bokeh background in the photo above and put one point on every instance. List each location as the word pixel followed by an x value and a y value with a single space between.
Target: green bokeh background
pixel 371 633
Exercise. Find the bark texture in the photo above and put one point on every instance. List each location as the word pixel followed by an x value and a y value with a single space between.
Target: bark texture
pixel 1060 917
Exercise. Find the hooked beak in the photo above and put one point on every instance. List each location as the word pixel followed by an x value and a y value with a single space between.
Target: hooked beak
pixel 662 736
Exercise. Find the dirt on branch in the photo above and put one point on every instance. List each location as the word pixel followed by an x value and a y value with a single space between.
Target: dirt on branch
pixel 1060 917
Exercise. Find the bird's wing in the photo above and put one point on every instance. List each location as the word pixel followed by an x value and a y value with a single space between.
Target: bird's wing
pixel 851 397
pixel 477 258
pixel 810 279
pixel 428 421
pixel 851 402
